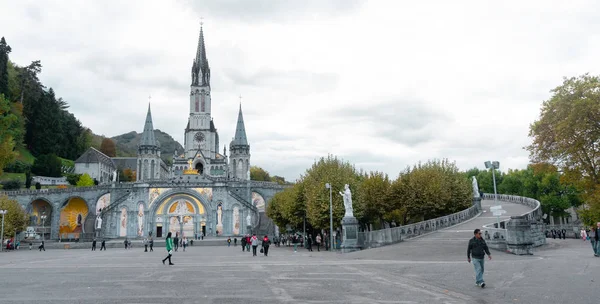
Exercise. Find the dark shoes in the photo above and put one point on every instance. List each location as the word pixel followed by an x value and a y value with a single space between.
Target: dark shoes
pixel 171 264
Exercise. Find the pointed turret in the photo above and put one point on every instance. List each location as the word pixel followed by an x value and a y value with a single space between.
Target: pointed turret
pixel 240 131
pixel 148 138
pixel 200 68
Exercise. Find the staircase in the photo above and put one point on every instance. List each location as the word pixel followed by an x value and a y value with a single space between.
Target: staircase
pixel 265 225
pixel 107 216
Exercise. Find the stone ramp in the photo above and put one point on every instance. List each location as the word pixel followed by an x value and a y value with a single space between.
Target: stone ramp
pixel 465 230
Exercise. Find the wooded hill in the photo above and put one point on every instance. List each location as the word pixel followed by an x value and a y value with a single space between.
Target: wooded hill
pixel 126 144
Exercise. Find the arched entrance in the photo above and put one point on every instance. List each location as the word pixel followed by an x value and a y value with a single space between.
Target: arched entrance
pixel 40 218
pixel 200 168
pixel 180 214
pixel 72 218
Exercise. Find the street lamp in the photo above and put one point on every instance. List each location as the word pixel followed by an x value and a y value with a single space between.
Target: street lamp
pixel 43 217
pixel 328 186
pixel 3 212
pixel 494 165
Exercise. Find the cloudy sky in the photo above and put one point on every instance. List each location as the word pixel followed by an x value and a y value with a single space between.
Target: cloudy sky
pixel 382 84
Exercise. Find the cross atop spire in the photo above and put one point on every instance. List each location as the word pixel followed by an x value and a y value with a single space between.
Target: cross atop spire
pixel 148 138
pixel 240 131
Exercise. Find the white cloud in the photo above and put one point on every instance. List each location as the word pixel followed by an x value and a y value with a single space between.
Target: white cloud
pixel 382 84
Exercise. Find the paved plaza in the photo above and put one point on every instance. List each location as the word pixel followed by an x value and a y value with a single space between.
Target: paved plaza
pixel 427 269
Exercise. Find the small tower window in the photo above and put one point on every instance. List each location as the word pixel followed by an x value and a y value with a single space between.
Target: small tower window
pixel 197 102
pixel 203 103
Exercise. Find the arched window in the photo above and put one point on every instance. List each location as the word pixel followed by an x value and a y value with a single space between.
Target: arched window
pixel 145 170
pixel 234 168
pixel 152 170
pixel 197 101
pixel 202 101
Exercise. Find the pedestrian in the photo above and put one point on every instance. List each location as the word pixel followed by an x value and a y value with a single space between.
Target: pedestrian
pixel 318 242
pixel 248 242
pixel 103 245
pixel 583 234
pixel 295 242
pixel 564 234
pixel 309 242
pixel 243 241
pixel 151 244
pixel 478 249
pixel 228 242
pixel 592 237
pixel 234 242
pixel 145 244
pixel 265 244
pixel 42 246
pixel 184 242
pixel 176 241
pixel 169 245
pixel 254 241
pixel 553 234
pixel 94 244
pixel 125 242
pixel 30 245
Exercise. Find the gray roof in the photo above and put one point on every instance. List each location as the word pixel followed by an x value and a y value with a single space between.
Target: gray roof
pixel 240 131
pixel 148 138
pixel 92 155
pixel 123 163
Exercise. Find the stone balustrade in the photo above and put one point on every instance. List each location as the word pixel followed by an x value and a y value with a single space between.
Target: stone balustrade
pixel 382 237
pixel 522 232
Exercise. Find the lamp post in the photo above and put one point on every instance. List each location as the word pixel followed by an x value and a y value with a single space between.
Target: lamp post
pixel 43 217
pixel 494 165
pixel 3 212
pixel 328 186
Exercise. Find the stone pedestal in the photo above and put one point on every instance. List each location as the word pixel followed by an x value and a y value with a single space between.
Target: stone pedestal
pixel 518 236
pixel 349 234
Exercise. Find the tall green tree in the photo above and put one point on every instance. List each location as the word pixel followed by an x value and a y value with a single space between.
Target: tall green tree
pixel 8 121
pixel 567 135
pixel 47 165
pixel 4 51
pixel 108 147
pixel 372 204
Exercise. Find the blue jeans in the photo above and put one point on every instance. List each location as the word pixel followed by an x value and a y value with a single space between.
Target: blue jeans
pixel 478 264
pixel 595 246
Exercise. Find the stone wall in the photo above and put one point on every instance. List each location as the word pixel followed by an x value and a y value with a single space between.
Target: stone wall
pixel 522 232
pixel 377 238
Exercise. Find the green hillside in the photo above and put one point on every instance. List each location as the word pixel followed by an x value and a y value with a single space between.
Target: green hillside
pixel 127 144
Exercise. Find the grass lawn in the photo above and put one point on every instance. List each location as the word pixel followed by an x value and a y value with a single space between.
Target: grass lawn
pixel 24 155
pixel 9 176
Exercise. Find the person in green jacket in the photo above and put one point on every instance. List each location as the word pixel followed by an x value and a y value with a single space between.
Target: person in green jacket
pixel 169 244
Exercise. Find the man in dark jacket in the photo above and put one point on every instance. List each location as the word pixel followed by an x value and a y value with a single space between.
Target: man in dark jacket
pixel 478 249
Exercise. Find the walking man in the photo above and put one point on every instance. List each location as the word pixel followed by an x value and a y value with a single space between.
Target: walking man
pixel 103 245
pixel 169 245
pixel 478 249
pixel 94 244
pixel 151 244
pixel 318 242
pixel 145 244
pixel 176 241
pixel 42 246
pixel 243 244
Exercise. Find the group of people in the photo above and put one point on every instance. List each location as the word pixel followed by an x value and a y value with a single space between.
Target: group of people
pixel 557 232
pixel 253 241
pixel 102 245
pixel 181 242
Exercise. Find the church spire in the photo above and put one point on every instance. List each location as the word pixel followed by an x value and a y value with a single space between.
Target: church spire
pixel 200 68
pixel 240 131
pixel 148 138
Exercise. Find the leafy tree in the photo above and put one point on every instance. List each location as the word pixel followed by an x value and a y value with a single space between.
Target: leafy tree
pixel 278 179
pixel 337 173
pixel 73 178
pixel 4 51
pixel 47 165
pixel 431 190
pixel 288 208
pixel 567 135
pixel 38 186
pixel 15 218
pixel 85 181
pixel 372 204
pixel 108 147
pixel 259 174
pixel 129 175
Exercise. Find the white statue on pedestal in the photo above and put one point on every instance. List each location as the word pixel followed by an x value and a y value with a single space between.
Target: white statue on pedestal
pixel 114 177
pixel 475 188
pixel 347 195
pixel 98 222
pixel 249 220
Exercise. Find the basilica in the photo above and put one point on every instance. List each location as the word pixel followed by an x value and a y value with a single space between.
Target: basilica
pixel 204 191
